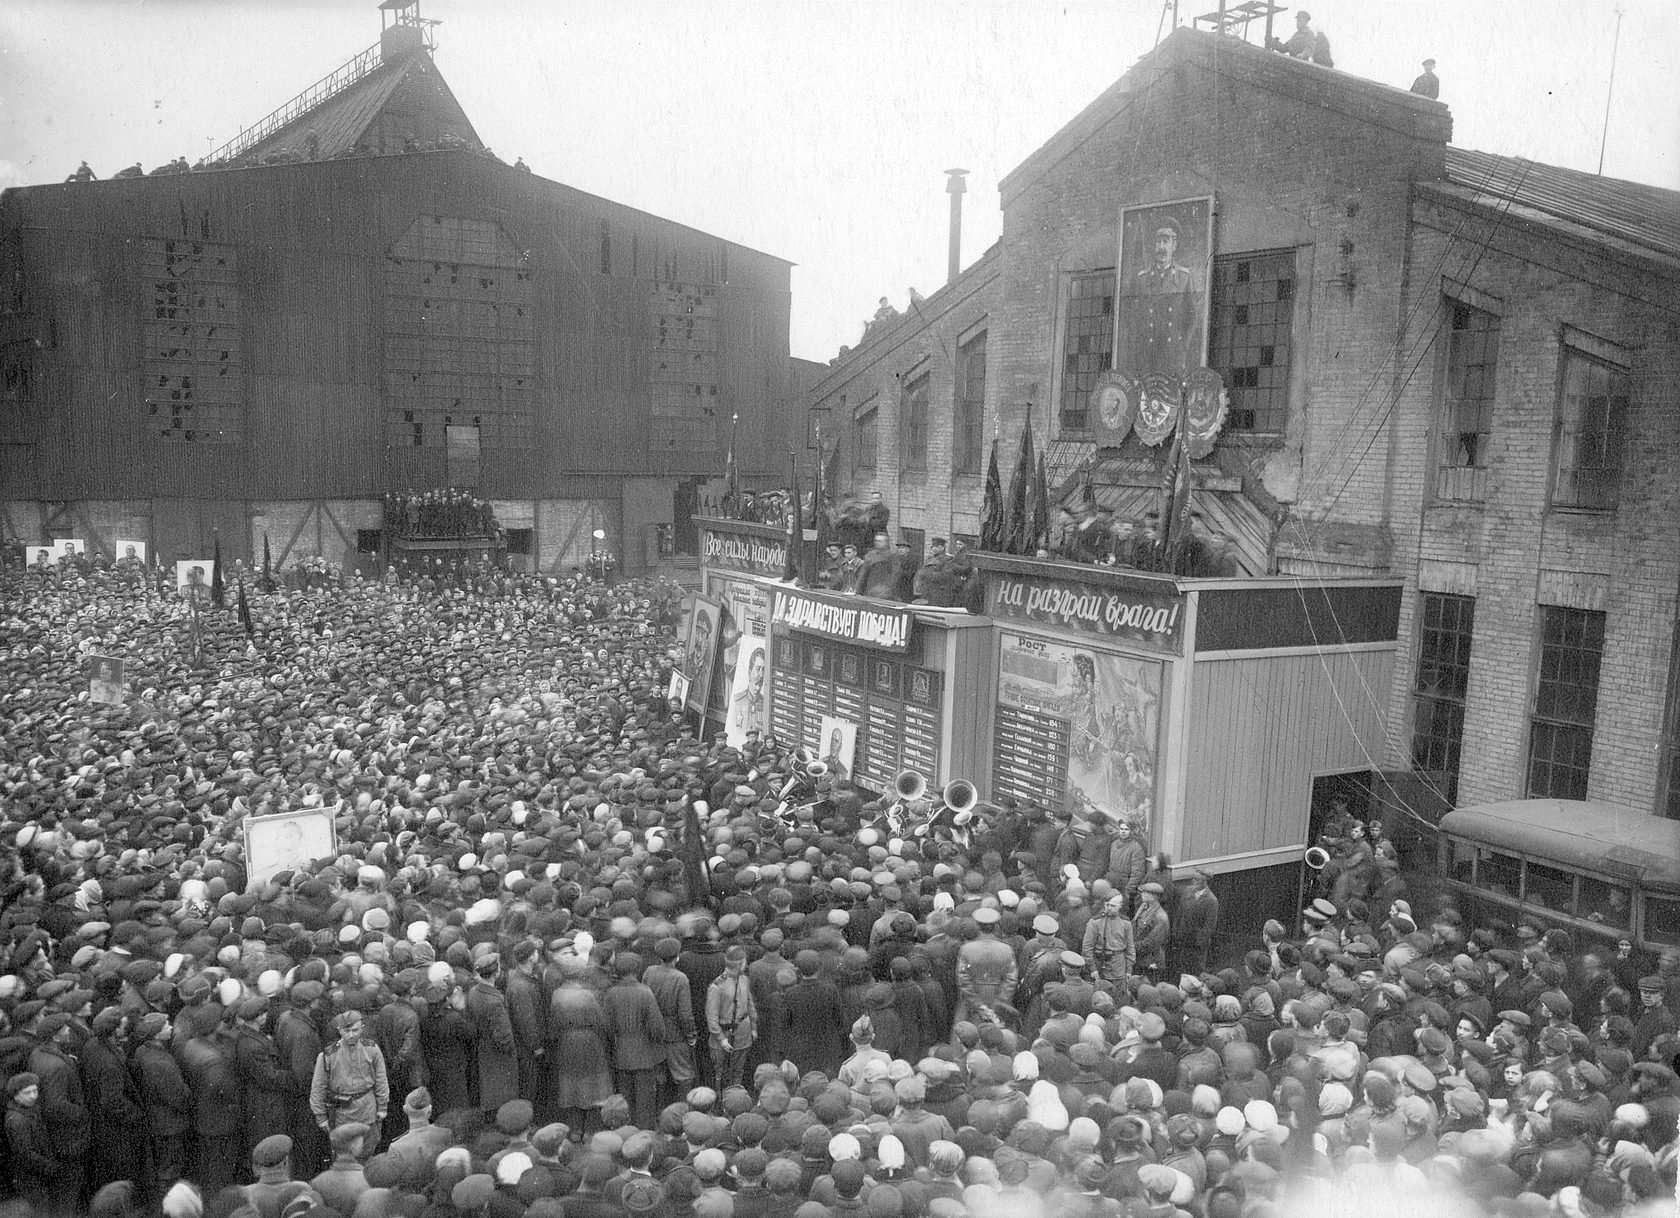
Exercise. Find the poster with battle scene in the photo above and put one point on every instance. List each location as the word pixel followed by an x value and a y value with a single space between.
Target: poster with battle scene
pixel 1079 725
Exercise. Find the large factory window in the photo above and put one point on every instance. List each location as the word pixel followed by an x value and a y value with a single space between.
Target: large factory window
pixel 1087 344
pixel 191 366
pixel 458 335
pixel 1441 691
pixel 1565 702
pixel 1251 316
pixel 1466 412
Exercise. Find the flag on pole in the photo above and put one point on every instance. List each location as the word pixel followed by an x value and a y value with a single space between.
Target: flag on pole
pixel 731 495
pixel 267 584
pixel 245 611
pixel 796 529
pixel 1041 507
pixel 819 514
pixel 1019 538
pixel 218 586
pixel 992 524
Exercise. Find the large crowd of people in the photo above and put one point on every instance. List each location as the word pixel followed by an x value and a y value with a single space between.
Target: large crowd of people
pixel 566 957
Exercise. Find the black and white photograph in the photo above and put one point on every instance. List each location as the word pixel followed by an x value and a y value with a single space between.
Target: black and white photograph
pixel 839 609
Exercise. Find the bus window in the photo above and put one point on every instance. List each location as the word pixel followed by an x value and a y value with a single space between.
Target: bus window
pixel 1608 904
pixel 1549 888
pixel 1500 874
pixel 1463 860
pixel 1662 920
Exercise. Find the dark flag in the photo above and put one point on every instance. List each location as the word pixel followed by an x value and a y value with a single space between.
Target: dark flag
pixel 1177 524
pixel 267 584
pixel 992 525
pixel 796 530
pixel 1018 539
pixel 694 857
pixel 731 492
pixel 819 513
pixel 245 611
pixel 218 586
pixel 1040 507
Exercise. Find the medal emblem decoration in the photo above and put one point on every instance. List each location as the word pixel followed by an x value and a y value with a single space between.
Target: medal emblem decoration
pixel 1116 400
pixel 1157 409
pixel 1206 407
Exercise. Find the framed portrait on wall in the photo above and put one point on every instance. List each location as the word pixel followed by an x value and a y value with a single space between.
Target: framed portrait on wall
pixel 1161 290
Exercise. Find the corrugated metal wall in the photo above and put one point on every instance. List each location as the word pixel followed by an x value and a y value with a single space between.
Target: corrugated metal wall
pixel 311 240
pixel 1261 728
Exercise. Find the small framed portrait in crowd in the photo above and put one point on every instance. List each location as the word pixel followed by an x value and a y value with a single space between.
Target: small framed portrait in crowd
pixel 192 578
pixel 105 680
pixel 129 551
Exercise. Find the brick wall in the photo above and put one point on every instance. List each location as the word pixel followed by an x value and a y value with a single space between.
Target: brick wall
pixel 1521 551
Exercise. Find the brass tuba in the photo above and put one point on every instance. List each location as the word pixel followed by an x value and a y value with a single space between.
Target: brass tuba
pixel 1316 857
pixel 960 795
pixel 910 785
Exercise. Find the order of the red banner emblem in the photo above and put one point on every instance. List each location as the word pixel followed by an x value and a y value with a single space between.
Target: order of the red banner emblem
pixel 1157 409
pixel 1206 406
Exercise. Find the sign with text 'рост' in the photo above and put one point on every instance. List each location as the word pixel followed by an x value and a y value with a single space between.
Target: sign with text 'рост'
pixel 848 618
pixel 1111 613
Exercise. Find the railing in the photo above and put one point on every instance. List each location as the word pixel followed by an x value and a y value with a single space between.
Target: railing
pixel 314 95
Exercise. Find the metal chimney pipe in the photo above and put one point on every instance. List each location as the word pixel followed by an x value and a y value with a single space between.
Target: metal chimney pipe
pixel 955 186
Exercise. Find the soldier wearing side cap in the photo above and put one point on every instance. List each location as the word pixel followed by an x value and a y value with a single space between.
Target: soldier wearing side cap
pixel 349 1083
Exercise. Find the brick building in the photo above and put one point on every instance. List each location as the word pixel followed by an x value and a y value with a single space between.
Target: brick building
pixel 355 297
pixel 1445 367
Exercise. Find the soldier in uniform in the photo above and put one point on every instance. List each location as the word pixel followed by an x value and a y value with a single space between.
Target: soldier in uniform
pixel 350 1085
pixel 1110 945
pixel 1161 311
pixel 986 973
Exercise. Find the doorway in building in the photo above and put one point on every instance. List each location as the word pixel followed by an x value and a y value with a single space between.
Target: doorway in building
pixel 685 505
pixel 1334 796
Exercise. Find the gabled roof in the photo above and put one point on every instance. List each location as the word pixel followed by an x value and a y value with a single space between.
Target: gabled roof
pixel 1233 59
pixel 340 121
pixel 1646 217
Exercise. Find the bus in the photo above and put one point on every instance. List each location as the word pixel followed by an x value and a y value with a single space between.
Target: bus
pixel 1584 865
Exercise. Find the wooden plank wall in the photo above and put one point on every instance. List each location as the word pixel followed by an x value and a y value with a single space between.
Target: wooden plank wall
pixel 970 688
pixel 1261 728
pixel 311 240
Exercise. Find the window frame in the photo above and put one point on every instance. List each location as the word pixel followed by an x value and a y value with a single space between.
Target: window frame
pixel 1275 417
pixel 1561 650
pixel 968 408
pixel 1573 356
pixel 1443 696
pixel 1103 333
pixel 914 403
pixel 866 434
pixel 1447 483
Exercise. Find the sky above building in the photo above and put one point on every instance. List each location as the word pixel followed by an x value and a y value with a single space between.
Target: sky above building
pixel 815 130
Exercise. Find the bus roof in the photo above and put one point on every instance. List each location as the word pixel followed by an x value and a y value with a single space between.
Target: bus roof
pixel 1584 833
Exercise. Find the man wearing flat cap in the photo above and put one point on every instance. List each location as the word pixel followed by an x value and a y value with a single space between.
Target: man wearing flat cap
pixel 265 1085
pixel 349 1084
pixel 497 1055
pixel 62 1105
pixel 165 1100
pixel 636 1034
pixel 271 1163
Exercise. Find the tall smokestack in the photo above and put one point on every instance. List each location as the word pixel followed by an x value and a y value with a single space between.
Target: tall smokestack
pixel 955 186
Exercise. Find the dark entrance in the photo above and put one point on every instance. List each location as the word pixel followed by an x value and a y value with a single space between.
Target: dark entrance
pixel 685 505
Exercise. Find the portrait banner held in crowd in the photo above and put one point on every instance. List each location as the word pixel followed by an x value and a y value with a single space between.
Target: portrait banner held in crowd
pixel 749 708
pixel 677 692
pixel 1109 705
pixel 700 637
pixel 287 841
pixel 105 680
pixel 838 746
pixel 69 547
pixel 1160 316
pixel 129 550
pixel 192 578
